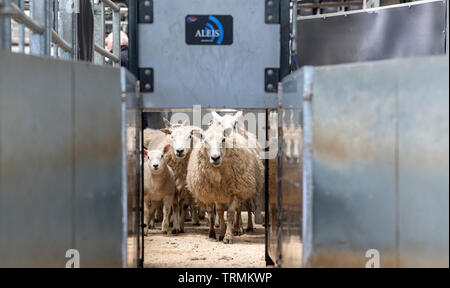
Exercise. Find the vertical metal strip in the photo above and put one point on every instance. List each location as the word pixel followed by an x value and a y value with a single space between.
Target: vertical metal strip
pixel 22 29
pixel 284 37
pixel 123 82
pixel 279 180
pixel 99 30
pixel 55 25
pixel 116 34
pixel 307 216
pixel 133 37
pixel 65 26
pixel 5 26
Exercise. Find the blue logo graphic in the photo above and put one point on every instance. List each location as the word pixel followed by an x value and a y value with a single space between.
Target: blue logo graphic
pixel 219 28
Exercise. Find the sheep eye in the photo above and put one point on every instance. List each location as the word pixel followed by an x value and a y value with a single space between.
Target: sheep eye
pixel 162 156
pixel 223 140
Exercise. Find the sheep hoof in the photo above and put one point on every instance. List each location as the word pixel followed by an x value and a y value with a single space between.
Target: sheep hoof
pixel 250 229
pixel 174 231
pixel 212 234
pixel 217 226
pixel 171 224
pixel 228 240
pixel 182 230
pixel 165 232
pixel 196 224
pixel 237 233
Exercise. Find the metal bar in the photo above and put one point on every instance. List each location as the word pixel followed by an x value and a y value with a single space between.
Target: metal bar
pixel 294 28
pixel 55 27
pixel 75 30
pixel 6 28
pixel 116 36
pixel 106 53
pixel 334 4
pixel 48 27
pixel 19 16
pixel 22 29
pixel 65 28
pixel 99 30
pixel 40 42
pixel 60 42
pixel 112 5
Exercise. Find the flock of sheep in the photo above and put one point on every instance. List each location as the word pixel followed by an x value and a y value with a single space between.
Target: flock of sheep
pixel 188 169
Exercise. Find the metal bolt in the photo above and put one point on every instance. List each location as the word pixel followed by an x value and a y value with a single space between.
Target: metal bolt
pixel 147 3
pixel 147 17
pixel 270 72
pixel 147 72
pixel 269 87
pixel 270 17
pixel 270 3
pixel 148 86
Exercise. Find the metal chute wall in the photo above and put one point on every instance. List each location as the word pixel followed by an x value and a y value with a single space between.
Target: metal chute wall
pixel 407 30
pixel 60 163
pixel 380 150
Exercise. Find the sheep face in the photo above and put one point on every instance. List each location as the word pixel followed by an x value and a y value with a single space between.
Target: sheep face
pixel 180 140
pixel 228 122
pixel 155 160
pixel 215 144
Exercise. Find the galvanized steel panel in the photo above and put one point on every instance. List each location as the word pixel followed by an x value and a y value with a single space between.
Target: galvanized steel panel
pixel 60 163
pixel 407 30
pixel 230 76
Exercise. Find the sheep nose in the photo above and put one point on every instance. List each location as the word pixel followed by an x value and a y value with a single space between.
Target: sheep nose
pixel 215 158
pixel 155 166
pixel 180 152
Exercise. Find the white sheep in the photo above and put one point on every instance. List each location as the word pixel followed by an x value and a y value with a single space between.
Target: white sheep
pixel 232 124
pixel 222 171
pixel 159 189
pixel 181 143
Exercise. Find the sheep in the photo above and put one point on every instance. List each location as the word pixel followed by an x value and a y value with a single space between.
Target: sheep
pixel 222 171
pixel 159 189
pixel 181 137
pixel 231 124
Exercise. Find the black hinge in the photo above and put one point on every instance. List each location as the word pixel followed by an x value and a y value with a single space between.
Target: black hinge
pixel 272 15
pixel 146 79
pixel 271 79
pixel 145 11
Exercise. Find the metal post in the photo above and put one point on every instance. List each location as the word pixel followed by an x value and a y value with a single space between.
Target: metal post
pixel 55 25
pixel 40 12
pixel 22 29
pixel 5 27
pixel 99 29
pixel 65 26
pixel 116 36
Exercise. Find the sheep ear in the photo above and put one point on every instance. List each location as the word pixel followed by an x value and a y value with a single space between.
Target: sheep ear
pixel 166 131
pixel 166 148
pixel 238 115
pixel 216 117
pixel 167 123
pixel 197 133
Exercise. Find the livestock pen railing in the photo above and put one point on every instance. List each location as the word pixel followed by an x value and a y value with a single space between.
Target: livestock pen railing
pixel 53 24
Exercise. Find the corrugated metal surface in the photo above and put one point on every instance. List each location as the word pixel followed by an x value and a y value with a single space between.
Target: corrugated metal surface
pixel 60 163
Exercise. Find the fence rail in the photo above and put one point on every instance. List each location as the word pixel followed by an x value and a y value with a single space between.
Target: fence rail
pixel 48 24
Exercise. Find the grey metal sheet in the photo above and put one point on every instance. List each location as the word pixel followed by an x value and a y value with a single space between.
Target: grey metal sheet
pixel 408 30
pixel 35 162
pixel 60 163
pixel 97 154
pixel 380 163
pixel 423 140
pixel 230 76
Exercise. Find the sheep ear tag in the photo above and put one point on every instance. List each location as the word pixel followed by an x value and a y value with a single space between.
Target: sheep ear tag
pixel 145 152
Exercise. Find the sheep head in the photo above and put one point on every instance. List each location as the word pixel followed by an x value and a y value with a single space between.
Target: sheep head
pixel 155 159
pixel 228 122
pixel 180 138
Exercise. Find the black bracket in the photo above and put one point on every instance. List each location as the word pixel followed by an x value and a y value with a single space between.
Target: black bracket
pixel 271 79
pixel 145 12
pixel 272 15
pixel 146 77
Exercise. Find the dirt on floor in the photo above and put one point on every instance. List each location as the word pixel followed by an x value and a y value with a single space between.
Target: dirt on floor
pixel 194 249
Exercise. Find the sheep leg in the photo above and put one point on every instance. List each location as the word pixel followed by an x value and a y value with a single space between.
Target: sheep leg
pixel 220 212
pixel 249 221
pixel 212 216
pixel 216 222
pixel 166 217
pixel 176 216
pixel 194 211
pixel 182 215
pixel 151 209
pixel 237 223
pixel 232 208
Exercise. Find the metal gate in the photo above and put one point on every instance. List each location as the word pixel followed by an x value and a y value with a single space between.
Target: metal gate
pixel 238 69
